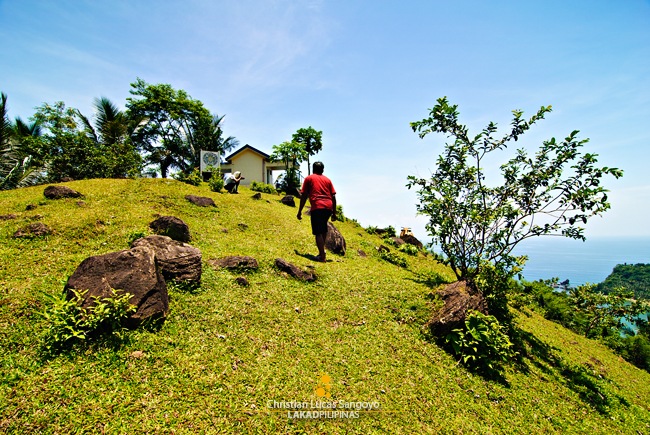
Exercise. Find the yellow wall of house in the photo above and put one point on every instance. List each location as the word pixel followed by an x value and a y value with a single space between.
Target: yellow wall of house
pixel 250 164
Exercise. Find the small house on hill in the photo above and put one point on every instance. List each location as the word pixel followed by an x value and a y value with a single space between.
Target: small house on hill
pixel 254 165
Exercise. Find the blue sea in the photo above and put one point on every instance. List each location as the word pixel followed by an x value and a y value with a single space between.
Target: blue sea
pixel 580 262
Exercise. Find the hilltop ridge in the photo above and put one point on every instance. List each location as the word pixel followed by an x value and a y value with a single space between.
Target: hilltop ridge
pixel 227 353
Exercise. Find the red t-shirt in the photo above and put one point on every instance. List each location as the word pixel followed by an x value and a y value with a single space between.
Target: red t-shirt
pixel 320 190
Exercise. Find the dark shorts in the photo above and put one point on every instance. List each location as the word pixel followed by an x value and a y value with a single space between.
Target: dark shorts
pixel 319 220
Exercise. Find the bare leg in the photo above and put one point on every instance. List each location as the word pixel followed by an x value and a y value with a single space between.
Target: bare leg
pixel 320 244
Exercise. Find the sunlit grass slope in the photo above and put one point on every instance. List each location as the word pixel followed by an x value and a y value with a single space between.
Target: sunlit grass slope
pixel 227 352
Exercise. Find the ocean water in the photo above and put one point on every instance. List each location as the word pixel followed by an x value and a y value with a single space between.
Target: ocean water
pixel 580 262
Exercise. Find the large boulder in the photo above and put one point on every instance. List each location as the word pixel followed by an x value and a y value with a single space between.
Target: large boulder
pixel 58 192
pixel 294 271
pixel 458 298
pixel 334 242
pixel 177 260
pixel 411 240
pixel 201 201
pixel 235 263
pixel 171 226
pixel 134 271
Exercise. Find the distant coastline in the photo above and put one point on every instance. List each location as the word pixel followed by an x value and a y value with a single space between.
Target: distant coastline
pixel 581 262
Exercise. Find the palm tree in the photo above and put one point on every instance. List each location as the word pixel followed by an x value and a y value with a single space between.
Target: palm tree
pixel 111 125
pixel 17 168
pixel 111 131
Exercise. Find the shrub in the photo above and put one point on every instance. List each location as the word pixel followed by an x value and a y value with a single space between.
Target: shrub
pixel 339 213
pixel 216 181
pixel 409 249
pixel 394 259
pixel 385 233
pixel 483 344
pixel 636 349
pixel 135 235
pixel 388 232
pixel 193 178
pixel 262 187
pixel 390 241
pixel 68 322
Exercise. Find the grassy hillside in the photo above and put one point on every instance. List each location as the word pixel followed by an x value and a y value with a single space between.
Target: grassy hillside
pixel 226 351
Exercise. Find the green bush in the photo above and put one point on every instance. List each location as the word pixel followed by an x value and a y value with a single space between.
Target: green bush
pixel 262 187
pixel 193 178
pixel 216 181
pixel 390 241
pixel 483 344
pixel 636 349
pixel 135 235
pixel 385 233
pixel 394 259
pixel 409 249
pixel 339 213
pixel 67 321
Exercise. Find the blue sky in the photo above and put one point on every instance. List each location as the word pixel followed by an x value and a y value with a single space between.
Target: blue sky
pixel 360 71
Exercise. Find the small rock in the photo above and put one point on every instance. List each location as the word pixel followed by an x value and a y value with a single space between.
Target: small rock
pixel 294 271
pixel 201 201
pixel 235 263
pixel 137 354
pixel 242 281
pixel 288 200
pixel 33 230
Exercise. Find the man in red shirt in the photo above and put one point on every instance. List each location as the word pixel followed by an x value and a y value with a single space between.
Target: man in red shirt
pixel 322 198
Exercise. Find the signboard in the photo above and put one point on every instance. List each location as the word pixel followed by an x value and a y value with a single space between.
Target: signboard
pixel 209 158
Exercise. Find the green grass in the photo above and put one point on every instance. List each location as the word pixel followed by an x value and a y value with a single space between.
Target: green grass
pixel 225 351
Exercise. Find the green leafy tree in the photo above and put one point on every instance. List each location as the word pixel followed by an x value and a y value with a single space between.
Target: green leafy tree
pixel 66 148
pixel 311 139
pixel 291 154
pixel 71 148
pixel 478 225
pixel 633 276
pixel 171 127
pixel 605 312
